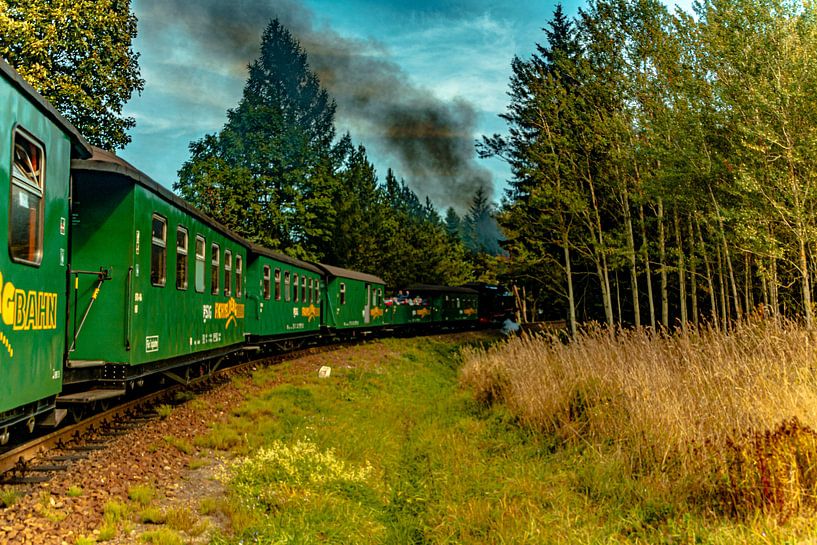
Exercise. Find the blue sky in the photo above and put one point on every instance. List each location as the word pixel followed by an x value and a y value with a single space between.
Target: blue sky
pixel 459 52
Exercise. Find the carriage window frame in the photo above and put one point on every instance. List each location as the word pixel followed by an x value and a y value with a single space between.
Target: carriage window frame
pixel 303 288
pixel 311 290
pixel 278 284
pixel 181 258
pixel 37 189
pixel 215 261
pixel 295 287
pixel 342 293
pixel 239 275
pixel 228 273
pixel 287 287
pixel 265 285
pixel 199 265
pixel 158 248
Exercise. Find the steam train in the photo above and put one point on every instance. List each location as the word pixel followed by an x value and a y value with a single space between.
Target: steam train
pixel 111 281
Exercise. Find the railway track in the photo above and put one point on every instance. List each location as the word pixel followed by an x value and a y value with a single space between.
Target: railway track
pixel 32 461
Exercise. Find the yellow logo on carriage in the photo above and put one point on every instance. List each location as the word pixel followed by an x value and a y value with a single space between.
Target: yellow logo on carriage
pixel 423 312
pixel 311 312
pixel 469 311
pixel 377 312
pixel 25 310
pixel 230 311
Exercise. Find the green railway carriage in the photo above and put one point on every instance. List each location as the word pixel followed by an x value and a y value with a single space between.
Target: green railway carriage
pixel 155 285
pixel 36 147
pixel 433 305
pixel 352 300
pixel 283 297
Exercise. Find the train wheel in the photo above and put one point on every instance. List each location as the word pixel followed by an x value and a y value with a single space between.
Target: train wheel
pixel 76 413
pixel 4 436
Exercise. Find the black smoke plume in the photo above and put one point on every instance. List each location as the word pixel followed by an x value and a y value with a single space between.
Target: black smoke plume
pixel 431 140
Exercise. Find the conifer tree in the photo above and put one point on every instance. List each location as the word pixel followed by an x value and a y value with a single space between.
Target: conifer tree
pixel 280 134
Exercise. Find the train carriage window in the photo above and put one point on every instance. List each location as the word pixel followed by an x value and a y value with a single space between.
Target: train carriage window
pixel 228 272
pixel 342 293
pixel 303 289
pixel 318 291
pixel 295 288
pixel 158 251
pixel 311 290
pixel 287 291
pixel 277 284
pixel 181 258
pixel 266 281
pixel 26 208
pixel 214 262
pixel 239 275
pixel 199 272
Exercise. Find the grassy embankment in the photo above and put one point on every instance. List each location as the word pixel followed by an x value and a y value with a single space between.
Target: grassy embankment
pixel 706 422
pixel 586 446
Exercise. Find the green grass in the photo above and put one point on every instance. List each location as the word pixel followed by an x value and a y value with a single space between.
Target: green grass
pixel 107 532
pixel 182 445
pixel 8 497
pixel 74 491
pixel 152 515
pixel 162 536
pixel 115 512
pixel 164 411
pixel 397 453
pixel 142 494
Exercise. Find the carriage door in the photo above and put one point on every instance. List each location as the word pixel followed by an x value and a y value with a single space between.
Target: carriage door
pixel 367 310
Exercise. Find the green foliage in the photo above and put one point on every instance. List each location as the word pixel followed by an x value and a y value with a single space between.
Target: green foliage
pixel 78 55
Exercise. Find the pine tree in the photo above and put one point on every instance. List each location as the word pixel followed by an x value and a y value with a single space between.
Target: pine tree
pixel 280 134
pixel 453 223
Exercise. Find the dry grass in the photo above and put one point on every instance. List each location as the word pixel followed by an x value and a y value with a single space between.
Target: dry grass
pixel 724 421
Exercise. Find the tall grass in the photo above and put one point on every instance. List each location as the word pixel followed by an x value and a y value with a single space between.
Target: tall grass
pixel 724 421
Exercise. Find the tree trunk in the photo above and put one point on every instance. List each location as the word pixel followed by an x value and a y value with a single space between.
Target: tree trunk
pixel 662 256
pixel 600 252
pixel 571 303
pixel 681 268
pixel 748 301
pixel 710 282
pixel 628 218
pixel 774 288
pixel 693 273
pixel 727 257
pixel 618 301
pixel 721 285
pixel 806 285
pixel 645 252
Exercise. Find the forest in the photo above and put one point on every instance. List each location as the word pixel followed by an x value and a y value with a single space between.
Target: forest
pixel 664 163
